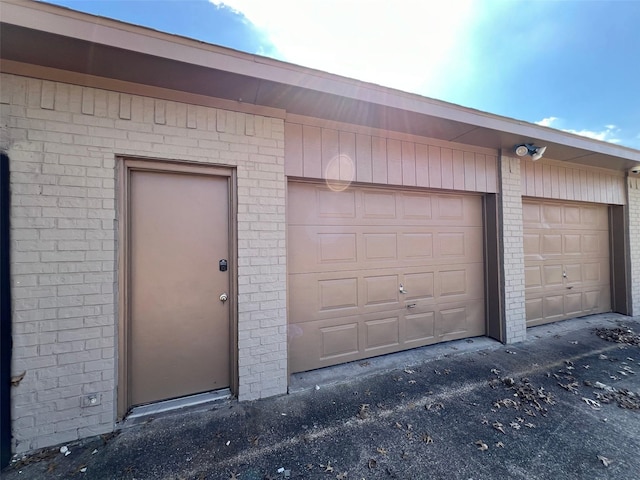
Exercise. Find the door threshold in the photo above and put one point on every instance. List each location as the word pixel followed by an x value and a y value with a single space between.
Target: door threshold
pixel 178 403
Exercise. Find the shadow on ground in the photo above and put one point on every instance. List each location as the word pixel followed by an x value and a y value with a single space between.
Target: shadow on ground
pixel 562 404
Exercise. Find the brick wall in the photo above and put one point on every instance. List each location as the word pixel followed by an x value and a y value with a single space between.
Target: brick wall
pixel 62 141
pixel 633 193
pixel 512 249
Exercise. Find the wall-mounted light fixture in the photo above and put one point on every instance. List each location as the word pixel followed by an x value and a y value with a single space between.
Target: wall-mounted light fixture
pixel 530 149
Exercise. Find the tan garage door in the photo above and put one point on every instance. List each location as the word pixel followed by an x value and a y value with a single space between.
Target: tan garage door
pixel 566 252
pixel 373 271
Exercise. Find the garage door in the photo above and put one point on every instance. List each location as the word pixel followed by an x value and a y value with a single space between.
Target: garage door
pixel 374 271
pixel 566 248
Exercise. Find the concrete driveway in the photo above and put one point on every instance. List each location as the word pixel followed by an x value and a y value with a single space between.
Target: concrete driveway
pixel 559 406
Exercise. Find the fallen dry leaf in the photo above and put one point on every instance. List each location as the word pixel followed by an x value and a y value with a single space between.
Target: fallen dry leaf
pixel 515 425
pixel 500 445
pixel 605 461
pixel 592 403
pixel 341 476
pixel 363 412
pixel 408 371
pixel 498 426
pixel 481 445
pixel 427 439
pixel 372 464
pixel 327 467
pixel 382 451
pixel 234 476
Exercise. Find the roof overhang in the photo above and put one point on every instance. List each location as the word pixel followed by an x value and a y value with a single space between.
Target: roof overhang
pixel 49 36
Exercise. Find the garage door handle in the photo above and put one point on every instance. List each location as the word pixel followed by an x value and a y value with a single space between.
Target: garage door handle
pixel 411 305
pixel 570 287
pixel 402 290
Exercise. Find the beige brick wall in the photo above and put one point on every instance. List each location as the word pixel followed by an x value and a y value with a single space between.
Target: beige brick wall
pixel 633 198
pixel 513 253
pixel 62 141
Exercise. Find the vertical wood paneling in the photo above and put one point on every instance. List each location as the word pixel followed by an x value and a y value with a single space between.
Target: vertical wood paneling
pixel 330 152
pixel 409 163
pixel 546 181
pixel 435 171
pixel 379 159
pixel 539 186
pixel 293 149
pixel 577 186
pixel 347 156
pixel 492 175
pixel 446 167
pixel 583 185
pixel 469 171
pixel 311 152
pixel 530 182
pixel 394 161
pixel 481 175
pixel 334 153
pixel 458 170
pixel 422 165
pixel 554 181
pixel 363 158
pixel 590 182
pixel 562 183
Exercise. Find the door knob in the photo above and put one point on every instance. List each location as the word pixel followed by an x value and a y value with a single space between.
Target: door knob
pixel 224 297
pixel 402 290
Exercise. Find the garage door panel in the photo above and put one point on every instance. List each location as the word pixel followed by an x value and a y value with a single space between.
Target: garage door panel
pixel 420 327
pixel 334 248
pixel 567 248
pixel 347 267
pixel 382 289
pixel 381 333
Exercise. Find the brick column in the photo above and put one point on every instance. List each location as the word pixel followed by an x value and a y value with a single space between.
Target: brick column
pixel 512 254
pixel 633 198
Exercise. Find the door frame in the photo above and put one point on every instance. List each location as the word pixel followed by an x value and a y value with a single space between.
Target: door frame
pixel 124 167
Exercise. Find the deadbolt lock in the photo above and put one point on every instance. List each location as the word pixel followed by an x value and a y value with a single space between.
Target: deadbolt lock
pixel 224 297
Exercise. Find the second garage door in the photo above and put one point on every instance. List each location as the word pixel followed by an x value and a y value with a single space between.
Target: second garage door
pixel 566 252
pixel 374 271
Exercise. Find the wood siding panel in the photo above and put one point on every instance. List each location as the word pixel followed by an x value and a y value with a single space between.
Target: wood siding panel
pixel 469 171
pixel 347 156
pixel 379 159
pixel 408 163
pixel 312 152
pixel 585 184
pixel 348 153
pixel 458 170
pixel 293 150
pixel 422 165
pixel 394 162
pixel 481 172
pixel 435 170
pixel 330 152
pixel 364 171
pixel 492 174
pixel 446 168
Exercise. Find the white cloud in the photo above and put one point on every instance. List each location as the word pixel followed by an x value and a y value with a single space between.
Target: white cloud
pixel 404 45
pixel 547 122
pixel 609 133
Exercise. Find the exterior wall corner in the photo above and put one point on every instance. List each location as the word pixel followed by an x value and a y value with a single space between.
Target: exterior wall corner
pixel 511 251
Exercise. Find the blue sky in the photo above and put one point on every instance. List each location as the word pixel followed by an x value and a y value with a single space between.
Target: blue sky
pixel 573 65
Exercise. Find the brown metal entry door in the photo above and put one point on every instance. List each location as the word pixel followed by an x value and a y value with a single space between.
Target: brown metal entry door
pixel 374 271
pixel 178 328
pixel 566 257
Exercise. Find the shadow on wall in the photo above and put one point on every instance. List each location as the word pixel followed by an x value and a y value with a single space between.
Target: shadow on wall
pixel 5 317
